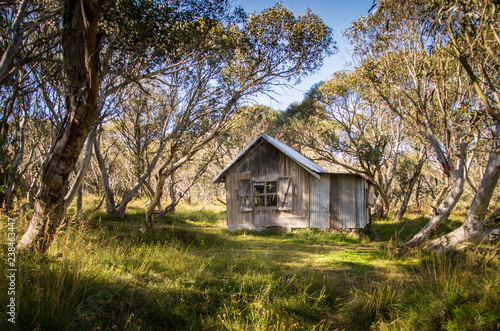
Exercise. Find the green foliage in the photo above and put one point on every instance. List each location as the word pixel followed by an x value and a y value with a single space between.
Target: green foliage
pixel 276 45
pixel 163 30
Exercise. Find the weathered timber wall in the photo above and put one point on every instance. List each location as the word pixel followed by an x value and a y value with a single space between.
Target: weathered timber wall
pixel 266 163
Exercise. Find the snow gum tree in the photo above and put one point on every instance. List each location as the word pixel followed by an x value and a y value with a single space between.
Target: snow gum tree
pixel 433 64
pixel 270 48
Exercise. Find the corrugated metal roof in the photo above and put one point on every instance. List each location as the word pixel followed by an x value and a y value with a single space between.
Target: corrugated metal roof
pixel 300 159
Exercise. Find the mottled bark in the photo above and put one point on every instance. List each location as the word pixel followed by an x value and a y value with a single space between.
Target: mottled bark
pixel 160 182
pixel 80 53
pixel 473 231
pixel 445 208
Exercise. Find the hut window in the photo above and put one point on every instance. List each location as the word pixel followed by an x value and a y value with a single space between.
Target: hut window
pixel 265 194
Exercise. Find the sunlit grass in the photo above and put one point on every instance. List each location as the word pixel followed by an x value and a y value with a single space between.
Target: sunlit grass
pixel 192 274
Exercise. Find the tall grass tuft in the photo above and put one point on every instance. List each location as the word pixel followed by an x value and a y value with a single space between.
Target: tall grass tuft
pixel 459 291
pixel 375 301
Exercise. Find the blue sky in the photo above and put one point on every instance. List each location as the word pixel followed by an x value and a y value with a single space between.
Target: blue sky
pixel 337 14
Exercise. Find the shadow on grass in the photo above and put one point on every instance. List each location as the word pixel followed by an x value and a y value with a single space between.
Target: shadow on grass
pixel 188 274
pixel 54 294
pixel 179 228
pixel 404 229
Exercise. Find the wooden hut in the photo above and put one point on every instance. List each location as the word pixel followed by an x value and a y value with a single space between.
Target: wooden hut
pixel 270 184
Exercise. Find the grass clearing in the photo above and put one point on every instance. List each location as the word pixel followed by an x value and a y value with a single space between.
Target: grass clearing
pixel 192 274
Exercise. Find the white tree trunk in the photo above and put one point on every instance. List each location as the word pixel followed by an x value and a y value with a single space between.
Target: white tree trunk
pixel 108 194
pixel 131 194
pixel 411 184
pixel 75 188
pixel 444 209
pixel 473 231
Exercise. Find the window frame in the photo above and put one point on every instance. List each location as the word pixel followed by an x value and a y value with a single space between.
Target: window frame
pixel 265 194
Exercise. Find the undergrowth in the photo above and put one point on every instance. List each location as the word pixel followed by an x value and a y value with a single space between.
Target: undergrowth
pixel 192 274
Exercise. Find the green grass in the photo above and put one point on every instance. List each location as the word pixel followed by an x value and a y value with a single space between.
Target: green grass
pixel 192 274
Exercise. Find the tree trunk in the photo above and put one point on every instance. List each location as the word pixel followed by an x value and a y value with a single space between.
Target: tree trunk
pixel 382 200
pixel 150 221
pixel 12 49
pixel 131 194
pixel 378 209
pixel 162 176
pixel 79 203
pixel 473 230
pixel 442 213
pixel 108 194
pixel 439 199
pixel 10 185
pixel 80 52
pixel 411 183
pixel 75 188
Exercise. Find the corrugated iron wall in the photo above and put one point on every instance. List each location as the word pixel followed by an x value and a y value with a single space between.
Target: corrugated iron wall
pixel 347 202
pixel 338 201
pixel 319 202
pixel 360 203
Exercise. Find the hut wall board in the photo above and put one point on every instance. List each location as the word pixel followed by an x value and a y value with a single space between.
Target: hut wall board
pixel 265 163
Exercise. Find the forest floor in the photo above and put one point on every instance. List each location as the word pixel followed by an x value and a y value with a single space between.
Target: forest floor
pixel 191 274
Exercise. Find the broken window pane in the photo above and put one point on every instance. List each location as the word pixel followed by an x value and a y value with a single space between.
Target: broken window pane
pixel 260 201
pixel 265 194
pixel 270 187
pixel 271 200
pixel 259 187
